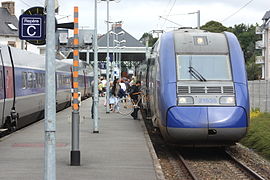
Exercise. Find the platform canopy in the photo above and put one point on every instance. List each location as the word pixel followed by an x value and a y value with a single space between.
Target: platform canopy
pixel 121 42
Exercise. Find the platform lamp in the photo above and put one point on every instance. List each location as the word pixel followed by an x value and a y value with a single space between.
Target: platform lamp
pixel 118 46
pixel 108 57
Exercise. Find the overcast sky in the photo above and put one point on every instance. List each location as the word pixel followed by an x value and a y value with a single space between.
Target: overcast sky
pixel 141 16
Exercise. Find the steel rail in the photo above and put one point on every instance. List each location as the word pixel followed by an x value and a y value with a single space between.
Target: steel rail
pixel 192 175
pixel 243 166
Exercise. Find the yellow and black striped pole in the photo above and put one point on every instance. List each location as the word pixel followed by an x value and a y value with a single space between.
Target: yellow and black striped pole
pixel 75 151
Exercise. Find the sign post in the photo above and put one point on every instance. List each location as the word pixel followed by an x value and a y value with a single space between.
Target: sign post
pixel 75 150
pixel 50 105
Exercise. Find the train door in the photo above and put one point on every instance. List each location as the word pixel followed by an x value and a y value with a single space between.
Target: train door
pixel 10 114
pixel 155 94
pixel 2 90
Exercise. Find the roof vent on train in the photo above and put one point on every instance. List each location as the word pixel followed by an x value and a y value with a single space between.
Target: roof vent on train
pixel 189 30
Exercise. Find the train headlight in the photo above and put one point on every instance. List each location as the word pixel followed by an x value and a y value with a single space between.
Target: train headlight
pixel 185 100
pixel 230 100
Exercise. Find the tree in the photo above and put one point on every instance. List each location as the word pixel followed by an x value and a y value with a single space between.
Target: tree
pixel 214 26
pixel 247 38
pixel 151 39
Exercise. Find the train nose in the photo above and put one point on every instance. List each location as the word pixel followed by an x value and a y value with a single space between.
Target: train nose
pixel 206 124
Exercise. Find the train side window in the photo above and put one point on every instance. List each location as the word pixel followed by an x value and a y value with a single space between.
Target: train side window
pixel 24 80
pixel 38 80
pixel 62 80
pixel 30 80
pixel 1 79
pixel 42 80
pixel 34 80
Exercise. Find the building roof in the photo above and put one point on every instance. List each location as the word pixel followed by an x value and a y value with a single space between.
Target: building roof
pixel 6 20
pixel 266 16
pixel 130 40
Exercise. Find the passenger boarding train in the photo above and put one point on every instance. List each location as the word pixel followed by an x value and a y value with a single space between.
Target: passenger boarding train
pixel 196 87
pixel 22 86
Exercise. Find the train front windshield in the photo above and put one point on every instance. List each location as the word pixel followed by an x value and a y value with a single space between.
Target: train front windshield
pixel 203 67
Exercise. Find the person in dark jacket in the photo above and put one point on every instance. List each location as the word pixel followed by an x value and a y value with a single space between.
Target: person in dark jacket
pixel 135 91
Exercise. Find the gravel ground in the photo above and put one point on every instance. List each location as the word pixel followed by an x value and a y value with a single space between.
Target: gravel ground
pixel 251 159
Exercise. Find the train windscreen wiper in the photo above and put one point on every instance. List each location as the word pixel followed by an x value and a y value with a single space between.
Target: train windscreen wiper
pixel 196 74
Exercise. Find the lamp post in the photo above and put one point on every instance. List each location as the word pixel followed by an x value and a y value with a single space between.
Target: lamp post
pixel 113 33
pixel 95 110
pixel 118 46
pixel 108 58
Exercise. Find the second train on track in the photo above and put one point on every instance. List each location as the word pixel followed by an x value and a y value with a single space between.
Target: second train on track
pixel 196 88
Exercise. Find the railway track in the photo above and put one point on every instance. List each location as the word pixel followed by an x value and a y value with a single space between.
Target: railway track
pixel 223 166
pixel 202 163
pixel 245 168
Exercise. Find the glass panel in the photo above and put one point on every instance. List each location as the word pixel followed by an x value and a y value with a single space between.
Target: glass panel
pixel 210 67
pixel 24 80
pixel 30 80
pixel 35 76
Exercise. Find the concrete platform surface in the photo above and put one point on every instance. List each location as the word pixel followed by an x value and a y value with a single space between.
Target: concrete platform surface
pixel 118 152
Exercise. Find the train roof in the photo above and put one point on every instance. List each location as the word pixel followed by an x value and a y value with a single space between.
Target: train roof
pixel 194 41
pixel 26 59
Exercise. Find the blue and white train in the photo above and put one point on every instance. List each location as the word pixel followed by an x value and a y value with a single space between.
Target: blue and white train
pixel 22 86
pixel 196 86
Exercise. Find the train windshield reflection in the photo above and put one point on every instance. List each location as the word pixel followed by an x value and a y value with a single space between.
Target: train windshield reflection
pixel 211 67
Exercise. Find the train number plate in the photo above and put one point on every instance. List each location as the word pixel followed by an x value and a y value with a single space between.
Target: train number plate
pixel 208 100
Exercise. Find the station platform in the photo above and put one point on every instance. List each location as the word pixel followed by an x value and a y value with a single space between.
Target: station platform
pixel 120 151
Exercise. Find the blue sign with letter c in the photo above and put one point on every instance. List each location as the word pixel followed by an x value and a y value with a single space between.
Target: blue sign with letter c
pixel 32 27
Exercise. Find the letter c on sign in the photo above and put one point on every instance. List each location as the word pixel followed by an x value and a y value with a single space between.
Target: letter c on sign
pixel 28 30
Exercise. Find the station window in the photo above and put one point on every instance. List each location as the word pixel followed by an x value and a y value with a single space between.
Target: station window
pixel 24 80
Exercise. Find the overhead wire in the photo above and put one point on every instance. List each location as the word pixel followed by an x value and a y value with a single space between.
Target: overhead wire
pixel 169 14
pixel 25 3
pixel 164 12
pixel 225 19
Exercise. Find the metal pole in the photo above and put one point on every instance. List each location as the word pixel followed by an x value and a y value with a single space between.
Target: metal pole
pixel 198 19
pixel 117 54
pixel 95 74
pixel 107 63
pixel 146 46
pixel 120 67
pixel 117 60
pixel 50 107
pixel 113 61
pixel 75 150
pixel 22 41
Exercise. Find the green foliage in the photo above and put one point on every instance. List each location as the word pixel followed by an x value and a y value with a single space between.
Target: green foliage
pixel 151 39
pixel 253 70
pixel 258 136
pixel 214 26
